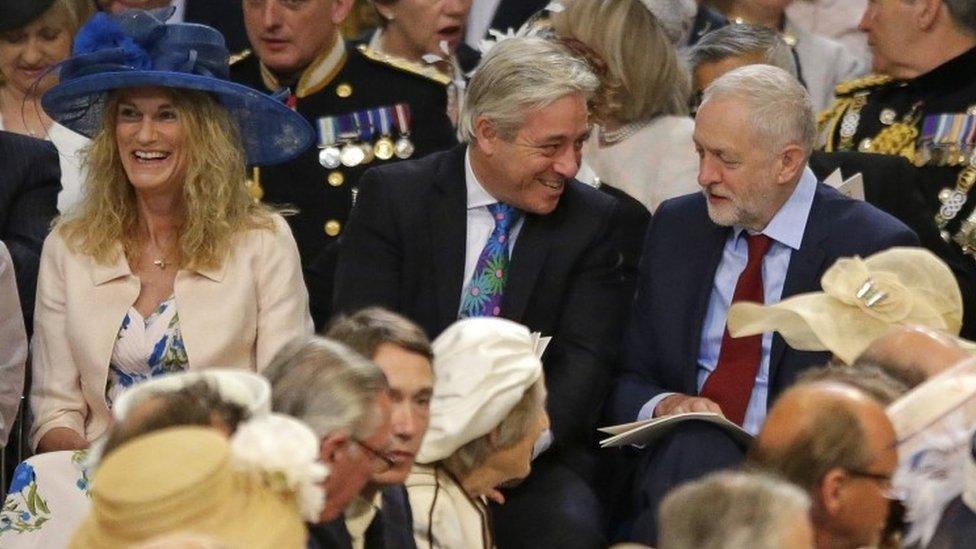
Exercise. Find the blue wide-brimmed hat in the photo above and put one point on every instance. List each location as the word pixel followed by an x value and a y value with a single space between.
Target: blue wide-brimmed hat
pixel 136 48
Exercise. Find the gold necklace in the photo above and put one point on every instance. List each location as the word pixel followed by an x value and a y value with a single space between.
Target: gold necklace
pixel 161 263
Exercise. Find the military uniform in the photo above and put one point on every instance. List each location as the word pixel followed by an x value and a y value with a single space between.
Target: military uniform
pixel 931 121
pixel 346 84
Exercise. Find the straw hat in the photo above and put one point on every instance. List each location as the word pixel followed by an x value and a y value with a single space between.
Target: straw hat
pixel 183 479
pixel 482 368
pixel 860 301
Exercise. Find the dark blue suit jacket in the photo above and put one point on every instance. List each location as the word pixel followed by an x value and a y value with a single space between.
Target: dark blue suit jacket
pixel 30 178
pixel 681 255
pixel 394 531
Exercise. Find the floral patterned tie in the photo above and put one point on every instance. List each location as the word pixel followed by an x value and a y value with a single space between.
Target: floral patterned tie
pixel 483 296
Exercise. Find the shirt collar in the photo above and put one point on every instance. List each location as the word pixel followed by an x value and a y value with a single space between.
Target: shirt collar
pixel 317 75
pixel 477 195
pixel 787 226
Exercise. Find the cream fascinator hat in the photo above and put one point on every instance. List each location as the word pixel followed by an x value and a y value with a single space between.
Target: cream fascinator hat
pixel 246 389
pixel 482 368
pixel 861 300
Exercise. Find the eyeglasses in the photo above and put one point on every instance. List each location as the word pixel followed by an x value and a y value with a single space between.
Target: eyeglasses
pixel 376 454
pixel 884 482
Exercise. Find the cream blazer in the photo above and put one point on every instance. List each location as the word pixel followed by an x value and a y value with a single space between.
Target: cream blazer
pixel 235 316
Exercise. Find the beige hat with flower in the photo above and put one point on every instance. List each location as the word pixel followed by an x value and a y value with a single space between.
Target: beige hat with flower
pixel 861 300
pixel 482 368
pixel 184 479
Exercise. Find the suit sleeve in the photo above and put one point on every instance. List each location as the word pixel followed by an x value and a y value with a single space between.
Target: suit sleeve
pixel 283 313
pixel 636 382
pixel 56 397
pixel 13 347
pixel 581 359
pixel 368 270
pixel 31 209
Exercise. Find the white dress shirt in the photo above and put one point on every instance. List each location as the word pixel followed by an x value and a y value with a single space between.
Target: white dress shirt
pixel 480 223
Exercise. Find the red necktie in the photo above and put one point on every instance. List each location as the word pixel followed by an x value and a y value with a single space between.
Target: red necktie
pixel 730 385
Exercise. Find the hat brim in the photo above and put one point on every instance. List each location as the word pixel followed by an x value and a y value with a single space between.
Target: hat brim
pixel 271 133
pixel 809 322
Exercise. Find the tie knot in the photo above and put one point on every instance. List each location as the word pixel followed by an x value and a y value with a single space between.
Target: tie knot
pixel 758 245
pixel 504 215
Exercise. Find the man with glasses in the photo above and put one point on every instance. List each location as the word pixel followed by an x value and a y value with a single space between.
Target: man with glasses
pixel 837 443
pixel 343 398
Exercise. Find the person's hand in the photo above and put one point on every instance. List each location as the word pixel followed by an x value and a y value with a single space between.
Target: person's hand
pixel 496 495
pixel 682 404
pixel 61 438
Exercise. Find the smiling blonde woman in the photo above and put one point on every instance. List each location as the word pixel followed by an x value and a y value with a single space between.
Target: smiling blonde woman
pixel 167 264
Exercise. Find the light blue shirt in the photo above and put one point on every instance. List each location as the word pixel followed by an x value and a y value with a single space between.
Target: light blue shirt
pixel 786 230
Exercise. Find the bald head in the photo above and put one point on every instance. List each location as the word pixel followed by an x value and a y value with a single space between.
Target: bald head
pixel 836 442
pixel 913 353
pixel 801 413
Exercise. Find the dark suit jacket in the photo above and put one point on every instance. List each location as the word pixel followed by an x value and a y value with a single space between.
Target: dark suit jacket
pixel 404 249
pixel 395 530
pixel 681 255
pixel 514 13
pixel 226 16
pixel 30 178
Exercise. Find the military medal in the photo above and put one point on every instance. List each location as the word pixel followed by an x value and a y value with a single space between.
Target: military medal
pixel 404 147
pixel 384 147
pixel 351 154
pixel 329 153
pixel 364 133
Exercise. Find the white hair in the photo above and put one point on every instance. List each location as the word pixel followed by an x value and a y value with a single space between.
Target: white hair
pixel 520 74
pixel 729 510
pixel 779 106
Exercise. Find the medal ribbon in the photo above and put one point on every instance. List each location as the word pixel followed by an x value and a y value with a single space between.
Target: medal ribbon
pixel 402 113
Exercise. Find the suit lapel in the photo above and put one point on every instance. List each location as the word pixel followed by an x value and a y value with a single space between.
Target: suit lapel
pixel 806 267
pixel 448 231
pixel 704 267
pixel 528 257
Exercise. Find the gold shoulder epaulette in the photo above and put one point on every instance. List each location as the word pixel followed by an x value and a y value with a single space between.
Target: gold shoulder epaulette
pixel 862 83
pixel 427 71
pixel 239 56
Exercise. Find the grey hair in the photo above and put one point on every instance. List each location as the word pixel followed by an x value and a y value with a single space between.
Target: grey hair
pixel 743 40
pixel 520 74
pixel 327 385
pixel 963 13
pixel 779 106
pixel 729 510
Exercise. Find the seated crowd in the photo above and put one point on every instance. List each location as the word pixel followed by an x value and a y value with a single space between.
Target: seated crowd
pixel 347 274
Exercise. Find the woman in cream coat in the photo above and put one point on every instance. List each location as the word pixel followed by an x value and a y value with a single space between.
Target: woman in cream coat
pixel 167 264
pixel 486 414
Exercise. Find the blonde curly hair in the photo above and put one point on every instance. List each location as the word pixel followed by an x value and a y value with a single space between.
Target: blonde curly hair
pixel 215 200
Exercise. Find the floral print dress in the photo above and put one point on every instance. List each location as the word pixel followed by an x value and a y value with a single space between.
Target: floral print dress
pixel 145 348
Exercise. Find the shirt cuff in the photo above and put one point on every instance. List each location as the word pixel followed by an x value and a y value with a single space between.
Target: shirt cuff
pixel 647 410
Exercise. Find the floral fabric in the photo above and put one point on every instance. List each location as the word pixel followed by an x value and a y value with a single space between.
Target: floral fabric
pixel 48 498
pixel 146 348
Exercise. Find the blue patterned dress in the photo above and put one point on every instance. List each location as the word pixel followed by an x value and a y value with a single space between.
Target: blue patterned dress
pixel 145 348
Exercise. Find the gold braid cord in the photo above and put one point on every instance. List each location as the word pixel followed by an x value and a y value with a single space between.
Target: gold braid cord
pixel 896 139
pixel 828 119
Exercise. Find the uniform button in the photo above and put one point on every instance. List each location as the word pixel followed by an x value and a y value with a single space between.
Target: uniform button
pixel 336 179
pixel 344 90
pixel 333 227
